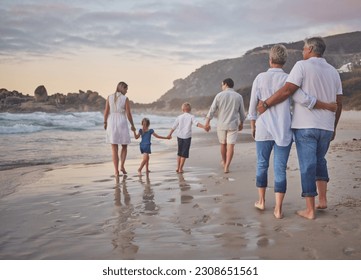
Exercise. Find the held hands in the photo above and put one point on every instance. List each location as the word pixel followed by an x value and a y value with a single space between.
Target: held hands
pixel 207 128
pixel 240 127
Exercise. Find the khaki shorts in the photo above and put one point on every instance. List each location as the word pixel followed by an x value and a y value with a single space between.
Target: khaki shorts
pixel 227 136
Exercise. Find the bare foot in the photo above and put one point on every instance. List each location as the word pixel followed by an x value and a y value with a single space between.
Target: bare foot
pixel 259 205
pixel 222 163
pixel 180 171
pixel 321 207
pixel 278 214
pixel 123 171
pixel 306 214
pixel 148 171
pixel 139 171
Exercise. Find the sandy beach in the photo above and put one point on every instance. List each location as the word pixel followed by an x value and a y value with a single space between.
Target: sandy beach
pixel 81 212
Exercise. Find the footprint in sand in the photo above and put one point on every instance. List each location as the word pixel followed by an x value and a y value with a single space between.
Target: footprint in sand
pixel 203 219
pixel 311 253
pixel 263 242
pixel 186 198
pixel 349 251
pixel 279 229
pixel 333 230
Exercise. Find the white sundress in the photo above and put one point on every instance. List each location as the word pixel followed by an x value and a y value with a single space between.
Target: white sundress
pixel 117 129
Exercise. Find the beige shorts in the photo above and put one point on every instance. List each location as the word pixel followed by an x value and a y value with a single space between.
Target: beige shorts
pixel 227 136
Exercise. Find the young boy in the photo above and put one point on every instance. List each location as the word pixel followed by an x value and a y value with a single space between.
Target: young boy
pixel 184 124
pixel 145 143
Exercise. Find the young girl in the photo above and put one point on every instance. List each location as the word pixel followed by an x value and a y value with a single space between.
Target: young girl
pixel 145 143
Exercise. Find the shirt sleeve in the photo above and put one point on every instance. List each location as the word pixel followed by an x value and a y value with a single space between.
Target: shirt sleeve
pixel 176 123
pixel 213 108
pixel 252 110
pixel 304 99
pixel 242 113
pixel 194 121
pixel 296 75
pixel 339 85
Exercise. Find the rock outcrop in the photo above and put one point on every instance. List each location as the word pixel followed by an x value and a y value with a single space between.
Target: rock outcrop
pixel 40 94
pixel 15 102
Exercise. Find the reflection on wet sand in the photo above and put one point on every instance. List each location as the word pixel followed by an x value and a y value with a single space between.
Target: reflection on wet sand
pixel 149 206
pixel 184 186
pixel 123 239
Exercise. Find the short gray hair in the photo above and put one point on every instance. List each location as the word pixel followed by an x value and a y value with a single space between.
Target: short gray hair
pixel 317 43
pixel 278 54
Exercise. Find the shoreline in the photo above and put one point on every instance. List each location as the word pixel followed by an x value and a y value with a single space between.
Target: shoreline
pixel 81 212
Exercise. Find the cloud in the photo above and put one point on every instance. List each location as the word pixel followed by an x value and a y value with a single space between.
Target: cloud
pixel 175 30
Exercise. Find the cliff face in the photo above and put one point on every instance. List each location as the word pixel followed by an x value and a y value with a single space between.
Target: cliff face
pixel 199 88
pixel 15 102
pixel 344 49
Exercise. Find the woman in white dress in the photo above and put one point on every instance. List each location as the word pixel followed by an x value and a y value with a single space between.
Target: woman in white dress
pixel 117 110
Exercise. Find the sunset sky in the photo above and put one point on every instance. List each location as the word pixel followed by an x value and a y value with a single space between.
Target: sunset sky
pixel 75 45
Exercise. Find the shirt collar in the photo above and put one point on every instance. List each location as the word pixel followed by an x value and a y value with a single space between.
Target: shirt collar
pixel 275 70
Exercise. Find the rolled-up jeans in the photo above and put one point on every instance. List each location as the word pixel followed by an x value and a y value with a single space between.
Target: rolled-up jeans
pixel 280 158
pixel 312 145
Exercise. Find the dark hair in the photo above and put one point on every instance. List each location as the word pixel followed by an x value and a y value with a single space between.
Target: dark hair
pixel 146 121
pixel 120 85
pixel 229 82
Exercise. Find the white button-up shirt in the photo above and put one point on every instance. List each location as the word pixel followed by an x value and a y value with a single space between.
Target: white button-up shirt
pixel 275 123
pixel 184 124
pixel 230 107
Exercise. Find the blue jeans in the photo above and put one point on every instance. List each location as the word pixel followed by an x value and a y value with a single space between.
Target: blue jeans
pixel 312 145
pixel 280 158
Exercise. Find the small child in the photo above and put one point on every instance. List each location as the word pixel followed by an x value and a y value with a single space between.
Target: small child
pixel 145 143
pixel 184 123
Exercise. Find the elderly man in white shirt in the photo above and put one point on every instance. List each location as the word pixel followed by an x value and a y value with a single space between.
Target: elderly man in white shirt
pixel 231 115
pixel 313 129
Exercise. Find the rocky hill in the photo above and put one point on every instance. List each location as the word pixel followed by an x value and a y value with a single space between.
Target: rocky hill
pixel 199 88
pixel 343 52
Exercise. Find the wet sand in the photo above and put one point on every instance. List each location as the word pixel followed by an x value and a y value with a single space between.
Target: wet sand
pixel 80 212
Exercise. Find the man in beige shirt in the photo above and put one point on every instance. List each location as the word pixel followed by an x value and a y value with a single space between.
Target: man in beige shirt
pixel 231 114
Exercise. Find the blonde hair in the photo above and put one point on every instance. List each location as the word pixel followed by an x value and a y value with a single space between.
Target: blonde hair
pixel 187 106
pixel 278 54
pixel 119 86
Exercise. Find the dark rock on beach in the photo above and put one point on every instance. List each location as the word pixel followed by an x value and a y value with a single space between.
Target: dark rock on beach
pixel 15 102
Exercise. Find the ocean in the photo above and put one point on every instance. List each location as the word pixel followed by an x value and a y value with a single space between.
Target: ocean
pixel 69 138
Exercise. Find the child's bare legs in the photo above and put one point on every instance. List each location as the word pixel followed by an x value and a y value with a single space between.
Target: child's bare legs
pixel 322 198
pixel 181 161
pixel 145 162
pixel 278 207
pixel 260 204
pixel 115 158
pixel 123 156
